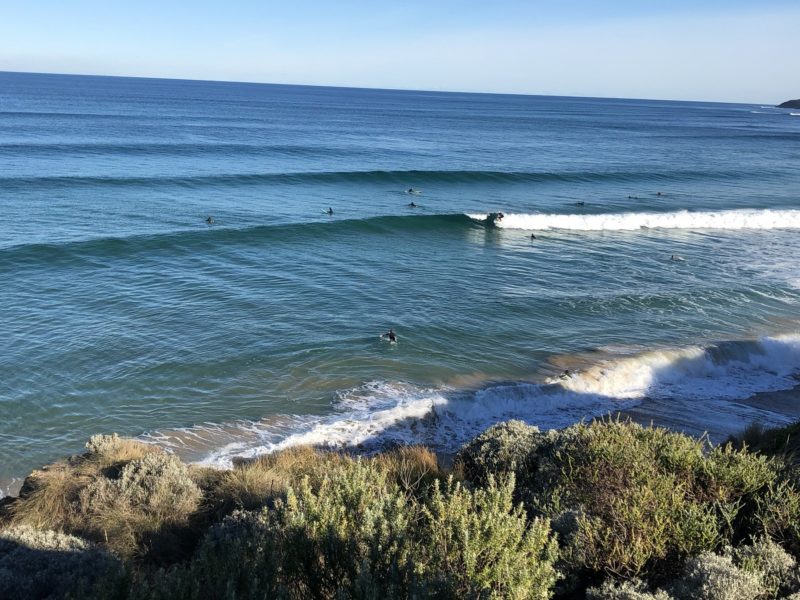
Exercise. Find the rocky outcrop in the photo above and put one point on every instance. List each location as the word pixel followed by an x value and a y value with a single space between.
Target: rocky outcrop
pixel 790 104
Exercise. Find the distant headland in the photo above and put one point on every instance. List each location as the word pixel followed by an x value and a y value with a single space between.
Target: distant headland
pixel 790 104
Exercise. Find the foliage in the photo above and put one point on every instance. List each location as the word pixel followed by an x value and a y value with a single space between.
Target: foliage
pixel 714 577
pixel 145 507
pixel 638 501
pixel 45 564
pixel 359 534
pixel 503 448
pixel 625 590
pixel 479 546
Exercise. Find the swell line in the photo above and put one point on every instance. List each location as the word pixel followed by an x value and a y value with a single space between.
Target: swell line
pixel 401 178
pixel 110 246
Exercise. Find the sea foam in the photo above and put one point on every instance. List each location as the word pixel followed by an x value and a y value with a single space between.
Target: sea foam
pixel 702 383
pixel 632 221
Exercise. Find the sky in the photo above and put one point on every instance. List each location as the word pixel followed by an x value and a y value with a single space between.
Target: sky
pixel 713 50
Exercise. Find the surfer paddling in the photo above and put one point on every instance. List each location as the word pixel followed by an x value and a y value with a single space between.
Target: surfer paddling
pixel 412 205
pixel 329 212
pixel 210 220
pixel 390 335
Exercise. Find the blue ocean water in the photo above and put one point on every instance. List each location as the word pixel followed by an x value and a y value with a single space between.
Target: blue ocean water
pixel 124 310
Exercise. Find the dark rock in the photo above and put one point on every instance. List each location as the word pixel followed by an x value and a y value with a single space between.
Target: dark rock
pixel 790 104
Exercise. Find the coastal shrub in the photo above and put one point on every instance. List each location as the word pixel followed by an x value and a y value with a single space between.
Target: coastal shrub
pixel 625 590
pixel 254 483
pixel 36 564
pixel 503 448
pixel 144 510
pixel 715 577
pixel 109 450
pixel 628 486
pixel 351 534
pixel 630 501
pixel 49 498
pixel 776 568
pixel 777 514
pixel 479 545
pixel 346 535
pixel 358 534
pixel 236 559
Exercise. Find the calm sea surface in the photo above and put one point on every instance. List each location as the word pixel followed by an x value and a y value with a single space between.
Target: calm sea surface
pixel 122 310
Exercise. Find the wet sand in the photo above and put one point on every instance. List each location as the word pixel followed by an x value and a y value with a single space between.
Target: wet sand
pixel 683 417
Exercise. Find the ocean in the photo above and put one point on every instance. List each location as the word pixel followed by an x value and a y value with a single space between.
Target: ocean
pixel 664 266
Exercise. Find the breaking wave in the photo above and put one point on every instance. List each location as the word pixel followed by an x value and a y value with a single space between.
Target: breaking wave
pixel 711 380
pixel 684 219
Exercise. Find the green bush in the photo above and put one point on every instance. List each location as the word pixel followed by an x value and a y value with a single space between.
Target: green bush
pixel 637 501
pixel 714 577
pixel 777 570
pixel 777 514
pixel 145 510
pixel 479 545
pixel 625 590
pixel 503 448
pixel 358 534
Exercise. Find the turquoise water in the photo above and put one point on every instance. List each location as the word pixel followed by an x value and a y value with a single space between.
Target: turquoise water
pixel 123 310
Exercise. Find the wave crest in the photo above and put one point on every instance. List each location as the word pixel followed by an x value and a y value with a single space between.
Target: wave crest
pixel 633 221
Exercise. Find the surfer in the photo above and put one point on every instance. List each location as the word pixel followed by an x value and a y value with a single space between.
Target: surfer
pixel 390 335
pixel 210 220
pixel 580 203
pixel 533 237
pixel 329 211
pixel 494 218
pixel 412 205
pixel 677 258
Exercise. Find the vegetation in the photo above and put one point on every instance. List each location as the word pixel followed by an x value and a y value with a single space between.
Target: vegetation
pixel 603 510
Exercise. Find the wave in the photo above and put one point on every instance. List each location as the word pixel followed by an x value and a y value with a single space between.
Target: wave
pixel 401 179
pixel 706 384
pixel 162 149
pixel 110 246
pixel 684 219
pixel 221 235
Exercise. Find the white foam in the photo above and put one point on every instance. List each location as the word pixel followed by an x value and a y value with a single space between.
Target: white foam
pixel 699 384
pixel 727 371
pixel 633 221
pixel 381 413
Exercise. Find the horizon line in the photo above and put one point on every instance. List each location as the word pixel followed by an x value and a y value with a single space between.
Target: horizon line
pixel 355 87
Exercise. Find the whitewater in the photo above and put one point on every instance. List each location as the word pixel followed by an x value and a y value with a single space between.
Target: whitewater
pixel 709 381
pixel 684 219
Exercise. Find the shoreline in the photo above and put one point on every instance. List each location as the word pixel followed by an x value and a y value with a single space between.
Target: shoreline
pixel 668 415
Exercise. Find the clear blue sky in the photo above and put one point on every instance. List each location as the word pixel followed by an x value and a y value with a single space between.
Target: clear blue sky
pixel 728 50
